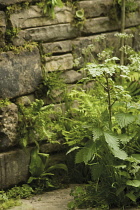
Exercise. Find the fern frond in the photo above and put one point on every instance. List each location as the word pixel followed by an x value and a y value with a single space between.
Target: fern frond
pixel 124 119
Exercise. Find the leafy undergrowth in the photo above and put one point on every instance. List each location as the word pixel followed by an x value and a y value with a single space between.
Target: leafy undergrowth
pixel 12 196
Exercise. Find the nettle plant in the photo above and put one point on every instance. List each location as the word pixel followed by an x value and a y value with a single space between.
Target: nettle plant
pixel 109 143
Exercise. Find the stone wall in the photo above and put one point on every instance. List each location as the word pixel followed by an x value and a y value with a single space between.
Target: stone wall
pixel 59 42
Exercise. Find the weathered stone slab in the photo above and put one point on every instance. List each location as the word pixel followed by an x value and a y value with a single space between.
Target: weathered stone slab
pixel 63 62
pixel 133 19
pixel 33 17
pixel 98 25
pixel 2 28
pixel 25 100
pixel 9 2
pixel 95 8
pixel 57 47
pixel 136 40
pixel 103 24
pixel 8 126
pixel 50 33
pixel 19 73
pixel 14 167
pixel 71 76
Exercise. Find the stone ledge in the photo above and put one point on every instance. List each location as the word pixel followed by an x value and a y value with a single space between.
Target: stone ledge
pixel 57 47
pixel 10 2
pixel 50 33
pixel 63 62
pixel 95 8
pixel 103 24
pixel 2 28
pixel 33 17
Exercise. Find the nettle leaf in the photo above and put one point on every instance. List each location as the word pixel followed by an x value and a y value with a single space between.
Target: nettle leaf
pixel 124 138
pixel 86 153
pixel 136 156
pixel 97 132
pixel 134 183
pixel 124 119
pixel 138 120
pixel 96 171
pixel 113 143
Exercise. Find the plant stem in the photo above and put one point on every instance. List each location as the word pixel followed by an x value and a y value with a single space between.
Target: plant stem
pixel 122 31
pixel 109 102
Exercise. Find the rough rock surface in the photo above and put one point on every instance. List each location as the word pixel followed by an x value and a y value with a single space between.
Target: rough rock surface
pixel 9 2
pixel 19 73
pixel 63 62
pixel 71 76
pixel 13 167
pixel 2 28
pixel 57 47
pixel 95 8
pixel 50 33
pixel 8 125
pixel 33 17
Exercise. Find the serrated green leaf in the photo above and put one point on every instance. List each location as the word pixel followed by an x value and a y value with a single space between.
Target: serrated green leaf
pixel 124 138
pixel 96 171
pixel 97 132
pixel 113 143
pixel 124 119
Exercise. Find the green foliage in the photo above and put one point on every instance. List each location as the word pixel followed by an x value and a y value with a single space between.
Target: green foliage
pixel 41 172
pixel 130 5
pixel 11 197
pixel 4 102
pixel 110 116
pixel 38 122
pixel 13 32
pixel 48 6
pixel 52 83
pixel 25 191
pixel 18 49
